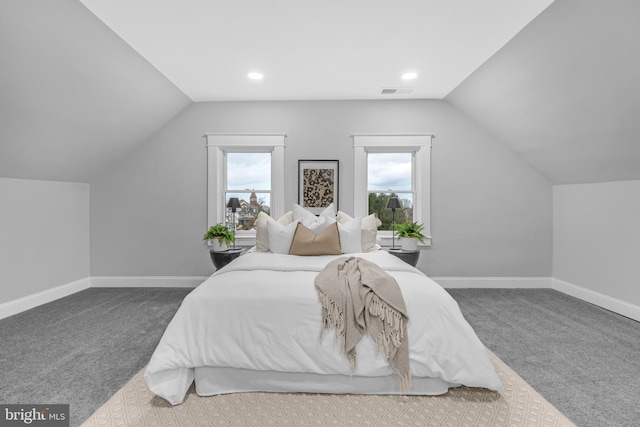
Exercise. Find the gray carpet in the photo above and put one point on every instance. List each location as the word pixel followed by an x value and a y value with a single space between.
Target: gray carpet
pixel 81 349
pixel 582 358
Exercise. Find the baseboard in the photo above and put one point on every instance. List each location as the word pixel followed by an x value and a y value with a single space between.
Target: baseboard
pixel 30 301
pixel 493 282
pixel 146 281
pixel 610 303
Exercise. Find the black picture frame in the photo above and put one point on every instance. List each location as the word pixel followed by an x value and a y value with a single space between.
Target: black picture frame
pixel 318 184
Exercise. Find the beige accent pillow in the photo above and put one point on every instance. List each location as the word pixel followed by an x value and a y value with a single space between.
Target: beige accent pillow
pixel 307 243
pixel 369 225
pixel 262 232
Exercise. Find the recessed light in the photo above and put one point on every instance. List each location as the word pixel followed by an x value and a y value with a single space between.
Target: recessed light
pixel 254 75
pixel 409 76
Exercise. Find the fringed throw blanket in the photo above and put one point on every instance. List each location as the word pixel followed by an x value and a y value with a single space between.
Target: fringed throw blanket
pixel 356 296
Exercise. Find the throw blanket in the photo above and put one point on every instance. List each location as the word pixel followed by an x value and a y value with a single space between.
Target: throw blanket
pixel 356 296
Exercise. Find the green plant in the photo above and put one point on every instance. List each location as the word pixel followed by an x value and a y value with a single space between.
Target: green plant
pixel 411 229
pixel 220 232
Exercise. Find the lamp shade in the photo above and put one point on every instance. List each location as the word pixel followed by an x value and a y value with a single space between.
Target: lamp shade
pixel 234 204
pixel 393 203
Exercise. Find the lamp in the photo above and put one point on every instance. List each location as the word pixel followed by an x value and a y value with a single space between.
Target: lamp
pixel 393 204
pixel 234 204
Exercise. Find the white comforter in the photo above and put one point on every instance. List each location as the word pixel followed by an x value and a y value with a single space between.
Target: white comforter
pixel 261 312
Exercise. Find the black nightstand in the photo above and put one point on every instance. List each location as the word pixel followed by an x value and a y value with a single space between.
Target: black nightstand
pixel 410 257
pixel 220 259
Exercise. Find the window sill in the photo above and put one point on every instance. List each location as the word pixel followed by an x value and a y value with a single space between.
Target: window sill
pixel 248 239
pixel 384 240
pixel 245 240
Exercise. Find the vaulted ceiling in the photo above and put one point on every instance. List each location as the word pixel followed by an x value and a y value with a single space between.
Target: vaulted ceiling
pixel 561 92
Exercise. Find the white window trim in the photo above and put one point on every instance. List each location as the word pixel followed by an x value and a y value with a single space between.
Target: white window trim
pixel 420 145
pixel 217 145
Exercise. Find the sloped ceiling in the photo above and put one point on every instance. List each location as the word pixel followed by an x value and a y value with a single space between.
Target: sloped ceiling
pixel 73 95
pixel 565 92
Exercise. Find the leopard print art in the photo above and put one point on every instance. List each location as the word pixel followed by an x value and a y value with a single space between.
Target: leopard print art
pixel 318 187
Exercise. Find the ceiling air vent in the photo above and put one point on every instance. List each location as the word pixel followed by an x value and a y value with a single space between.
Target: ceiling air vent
pixel 396 90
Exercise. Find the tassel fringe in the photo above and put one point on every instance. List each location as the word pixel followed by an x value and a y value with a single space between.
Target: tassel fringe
pixel 395 321
pixel 332 316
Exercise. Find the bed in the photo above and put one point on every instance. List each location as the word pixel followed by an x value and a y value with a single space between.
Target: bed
pixel 255 325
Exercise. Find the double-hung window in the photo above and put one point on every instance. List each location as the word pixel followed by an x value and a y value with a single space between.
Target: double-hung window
pixel 248 178
pixel 390 174
pixel 388 166
pixel 249 167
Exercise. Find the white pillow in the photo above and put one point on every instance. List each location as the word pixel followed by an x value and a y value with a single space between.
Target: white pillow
pixel 280 236
pixel 329 211
pixel 318 223
pixel 369 226
pixel 262 234
pixel 351 236
pixel 315 223
pixel 299 212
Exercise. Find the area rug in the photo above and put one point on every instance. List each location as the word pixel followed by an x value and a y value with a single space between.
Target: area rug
pixel 517 405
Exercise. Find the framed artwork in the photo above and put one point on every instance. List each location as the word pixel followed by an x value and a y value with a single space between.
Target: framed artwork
pixel 317 184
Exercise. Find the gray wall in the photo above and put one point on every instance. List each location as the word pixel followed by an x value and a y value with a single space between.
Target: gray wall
pixel 45 235
pixel 73 95
pixel 596 237
pixel 491 213
pixel 564 92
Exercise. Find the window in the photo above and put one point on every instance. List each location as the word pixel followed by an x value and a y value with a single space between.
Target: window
pixel 390 175
pixel 393 165
pixel 251 168
pixel 248 177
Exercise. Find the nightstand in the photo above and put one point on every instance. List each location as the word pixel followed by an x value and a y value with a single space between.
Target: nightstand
pixel 410 257
pixel 220 259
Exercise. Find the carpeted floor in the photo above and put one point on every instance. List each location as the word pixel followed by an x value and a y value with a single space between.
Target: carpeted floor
pixel 82 349
pixel 585 360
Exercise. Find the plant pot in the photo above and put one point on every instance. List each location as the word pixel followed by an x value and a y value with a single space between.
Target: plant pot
pixel 409 243
pixel 217 246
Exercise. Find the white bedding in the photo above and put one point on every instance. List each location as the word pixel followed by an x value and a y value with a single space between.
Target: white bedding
pixel 261 313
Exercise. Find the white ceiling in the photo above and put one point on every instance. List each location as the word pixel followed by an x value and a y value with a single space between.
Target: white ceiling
pixel 331 49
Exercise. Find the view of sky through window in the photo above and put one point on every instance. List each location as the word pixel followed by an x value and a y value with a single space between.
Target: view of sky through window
pixel 389 171
pixel 248 171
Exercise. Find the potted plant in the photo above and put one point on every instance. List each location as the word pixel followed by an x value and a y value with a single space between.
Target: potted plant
pixel 220 236
pixel 410 233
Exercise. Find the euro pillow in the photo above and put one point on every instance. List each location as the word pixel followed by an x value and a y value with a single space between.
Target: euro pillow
pixel 307 243
pixel 301 213
pixel 312 222
pixel 329 211
pixel 262 233
pixel 280 236
pixel 369 229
